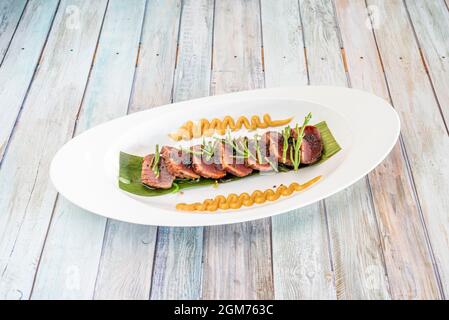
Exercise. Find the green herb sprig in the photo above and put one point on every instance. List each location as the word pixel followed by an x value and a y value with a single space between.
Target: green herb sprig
pixel 156 159
pixel 275 168
pixel 296 158
pixel 196 153
pixel 286 135
pixel 241 148
pixel 209 149
pixel 257 145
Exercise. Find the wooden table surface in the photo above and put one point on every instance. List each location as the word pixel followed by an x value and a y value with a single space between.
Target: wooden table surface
pixel 68 65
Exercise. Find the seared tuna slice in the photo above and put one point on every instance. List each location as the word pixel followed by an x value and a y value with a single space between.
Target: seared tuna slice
pixel 276 146
pixel 234 166
pixel 207 168
pixel 148 177
pixel 311 145
pixel 253 160
pixel 178 163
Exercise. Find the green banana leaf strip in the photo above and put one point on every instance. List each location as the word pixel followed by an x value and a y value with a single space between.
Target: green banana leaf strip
pixel 330 145
pixel 129 177
pixel 131 166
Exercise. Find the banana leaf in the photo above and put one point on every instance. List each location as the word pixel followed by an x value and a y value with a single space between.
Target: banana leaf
pixel 131 166
pixel 330 145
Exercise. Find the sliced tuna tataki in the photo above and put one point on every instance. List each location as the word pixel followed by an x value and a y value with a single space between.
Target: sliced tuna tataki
pixel 148 177
pixel 207 168
pixel 230 164
pixel 311 145
pixel 178 163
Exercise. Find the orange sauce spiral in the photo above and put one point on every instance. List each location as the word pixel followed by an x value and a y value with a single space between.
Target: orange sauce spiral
pixel 189 130
pixel 234 201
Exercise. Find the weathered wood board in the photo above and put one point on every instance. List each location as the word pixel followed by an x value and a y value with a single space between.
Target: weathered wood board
pixel 10 13
pixel 177 270
pixel 237 257
pixel 20 62
pixel 430 20
pixel 353 234
pixel 71 255
pixel 407 258
pixel 301 259
pixel 423 129
pixel 68 65
pixel 51 107
pixel 152 87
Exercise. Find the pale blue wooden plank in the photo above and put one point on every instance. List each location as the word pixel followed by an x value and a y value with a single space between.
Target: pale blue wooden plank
pixel 126 264
pixel 237 257
pixel 407 257
pixel 178 265
pixel 126 261
pixel 301 261
pixel 177 270
pixel 353 229
pixel 422 125
pixel 10 14
pixel 430 21
pixel 157 59
pixel 26 195
pixel 20 62
pixel 70 259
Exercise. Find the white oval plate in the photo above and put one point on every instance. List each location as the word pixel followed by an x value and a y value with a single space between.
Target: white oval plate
pixel 85 169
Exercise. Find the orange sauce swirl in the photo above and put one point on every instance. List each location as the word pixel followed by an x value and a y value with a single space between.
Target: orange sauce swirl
pixel 234 201
pixel 190 130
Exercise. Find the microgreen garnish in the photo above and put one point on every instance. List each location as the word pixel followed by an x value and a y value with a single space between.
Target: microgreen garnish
pixel 197 153
pixel 248 153
pixel 209 149
pixel 155 166
pixel 286 135
pixel 230 141
pixel 240 150
pixel 241 147
pixel 272 164
pixel 296 158
pixel 257 145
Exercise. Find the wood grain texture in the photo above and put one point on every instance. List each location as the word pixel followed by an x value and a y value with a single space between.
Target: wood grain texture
pixel 157 56
pixel 423 129
pixel 301 262
pixel 177 269
pixel 237 257
pixel 193 69
pixel 284 58
pixel 431 23
pixel 389 233
pixel 27 197
pixel 178 264
pixel 126 261
pixel 408 261
pixel 321 39
pixel 71 255
pixel 10 13
pixel 237 61
pixel 152 87
pixel 354 239
pixel 20 62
